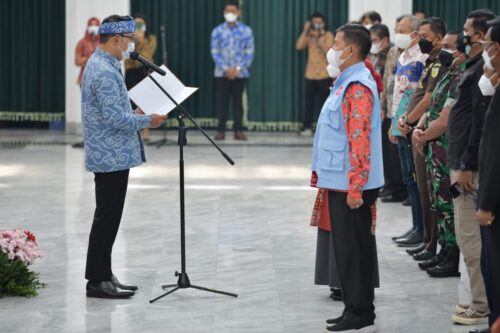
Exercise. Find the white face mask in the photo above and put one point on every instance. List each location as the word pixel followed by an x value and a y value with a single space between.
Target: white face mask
pixel 485 86
pixel 368 26
pixel 130 48
pixel 375 48
pixel 487 61
pixel 333 58
pixel 230 17
pixel 333 72
pixel 403 41
pixel 93 29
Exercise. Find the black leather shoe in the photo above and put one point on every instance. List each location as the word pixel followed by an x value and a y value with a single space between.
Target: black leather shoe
pixel 434 261
pixel 335 320
pixel 118 284
pixel 412 240
pixel 414 250
pixel 446 268
pixel 106 289
pixel 424 255
pixel 336 294
pixel 385 192
pixel 338 319
pixel 394 198
pixel 449 266
pixel 407 202
pixel 406 234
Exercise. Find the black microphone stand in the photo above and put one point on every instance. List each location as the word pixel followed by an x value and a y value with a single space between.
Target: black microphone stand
pixel 183 281
pixel 164 58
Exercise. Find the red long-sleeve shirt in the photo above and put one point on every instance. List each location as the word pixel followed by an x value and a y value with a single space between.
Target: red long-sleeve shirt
pixel 357 109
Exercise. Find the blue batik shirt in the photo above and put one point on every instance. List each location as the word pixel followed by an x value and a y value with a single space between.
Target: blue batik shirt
pixel 110 128
pixel 232 47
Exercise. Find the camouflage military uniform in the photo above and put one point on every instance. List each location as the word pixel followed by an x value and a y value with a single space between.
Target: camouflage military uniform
pixel 443 96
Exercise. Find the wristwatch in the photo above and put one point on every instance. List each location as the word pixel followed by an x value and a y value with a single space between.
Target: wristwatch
pixel 462 166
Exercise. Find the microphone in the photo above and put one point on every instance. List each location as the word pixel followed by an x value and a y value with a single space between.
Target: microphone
pixel 146 63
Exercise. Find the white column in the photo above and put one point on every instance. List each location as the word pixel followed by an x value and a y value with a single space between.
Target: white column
pixel 389 10
pixel 77 14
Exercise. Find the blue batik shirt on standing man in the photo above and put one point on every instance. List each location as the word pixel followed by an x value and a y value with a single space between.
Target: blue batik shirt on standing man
pixel 110 128
pixel 232 47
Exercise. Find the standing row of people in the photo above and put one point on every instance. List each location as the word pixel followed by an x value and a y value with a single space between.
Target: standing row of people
pixel 438 88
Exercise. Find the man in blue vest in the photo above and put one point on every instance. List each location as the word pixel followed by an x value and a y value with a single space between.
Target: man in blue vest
pixel 347 158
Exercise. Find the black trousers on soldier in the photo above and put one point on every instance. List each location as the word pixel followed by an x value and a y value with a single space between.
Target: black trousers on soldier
pixel 110 192
pixel 354 252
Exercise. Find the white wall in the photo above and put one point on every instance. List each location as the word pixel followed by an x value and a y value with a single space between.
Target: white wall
pixel 388 9
pixel 77 14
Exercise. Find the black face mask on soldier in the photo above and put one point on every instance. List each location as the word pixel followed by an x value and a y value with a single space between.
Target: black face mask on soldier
pixel 425 46
pixel 446 58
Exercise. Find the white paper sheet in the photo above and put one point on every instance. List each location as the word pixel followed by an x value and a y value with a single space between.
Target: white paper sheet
pixel 151 99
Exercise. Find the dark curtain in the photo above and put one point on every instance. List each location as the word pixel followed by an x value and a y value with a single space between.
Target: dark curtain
pixel 32 60
pixel 454 12
pixel 275 90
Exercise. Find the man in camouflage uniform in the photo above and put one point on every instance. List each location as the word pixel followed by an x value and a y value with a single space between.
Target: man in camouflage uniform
pixel 432 140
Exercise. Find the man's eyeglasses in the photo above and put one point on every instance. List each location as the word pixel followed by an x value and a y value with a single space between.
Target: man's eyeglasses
pixel 132 38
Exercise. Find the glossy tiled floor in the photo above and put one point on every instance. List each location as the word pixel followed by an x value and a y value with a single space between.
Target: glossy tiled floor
pixel 247 232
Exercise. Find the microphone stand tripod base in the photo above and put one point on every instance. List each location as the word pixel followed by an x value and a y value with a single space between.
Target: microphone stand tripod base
pixel 184 283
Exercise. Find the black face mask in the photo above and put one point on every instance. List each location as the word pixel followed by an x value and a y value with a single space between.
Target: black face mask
pixel 461 42
pixel 425 46
pixel 445 58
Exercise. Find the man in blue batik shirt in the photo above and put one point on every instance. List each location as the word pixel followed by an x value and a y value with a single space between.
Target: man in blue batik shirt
pixel 112 146
pixel 232 50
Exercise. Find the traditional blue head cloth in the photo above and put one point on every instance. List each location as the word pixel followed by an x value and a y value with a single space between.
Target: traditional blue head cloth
pixel 120 27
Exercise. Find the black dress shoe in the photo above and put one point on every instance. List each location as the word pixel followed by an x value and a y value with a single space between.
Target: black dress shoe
pixel 446 268
pixel 385 192
pixel 118 284
pixel 434 261
pixel 424 255
pixel 335 320
pixel 338 319
pixel 406 234
pixel 336 294
pixel 394 198
pixel 414 250
pixel 412 240
pixel 449 266
pixel 351 325
pixel 106 289
pixel 407 202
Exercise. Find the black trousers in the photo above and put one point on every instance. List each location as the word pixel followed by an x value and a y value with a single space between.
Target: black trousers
pixel 225 89
pixel 354 252
pixel 392 165
pixel 313 87
pixel 110 192
pixel 490 265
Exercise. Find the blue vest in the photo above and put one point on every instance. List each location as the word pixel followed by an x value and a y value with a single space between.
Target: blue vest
pixel 331 146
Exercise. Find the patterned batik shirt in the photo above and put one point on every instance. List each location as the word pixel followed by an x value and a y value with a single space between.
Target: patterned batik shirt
pixel 232 47
pixel 110 128
pixel 410 66
pixel 357 107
